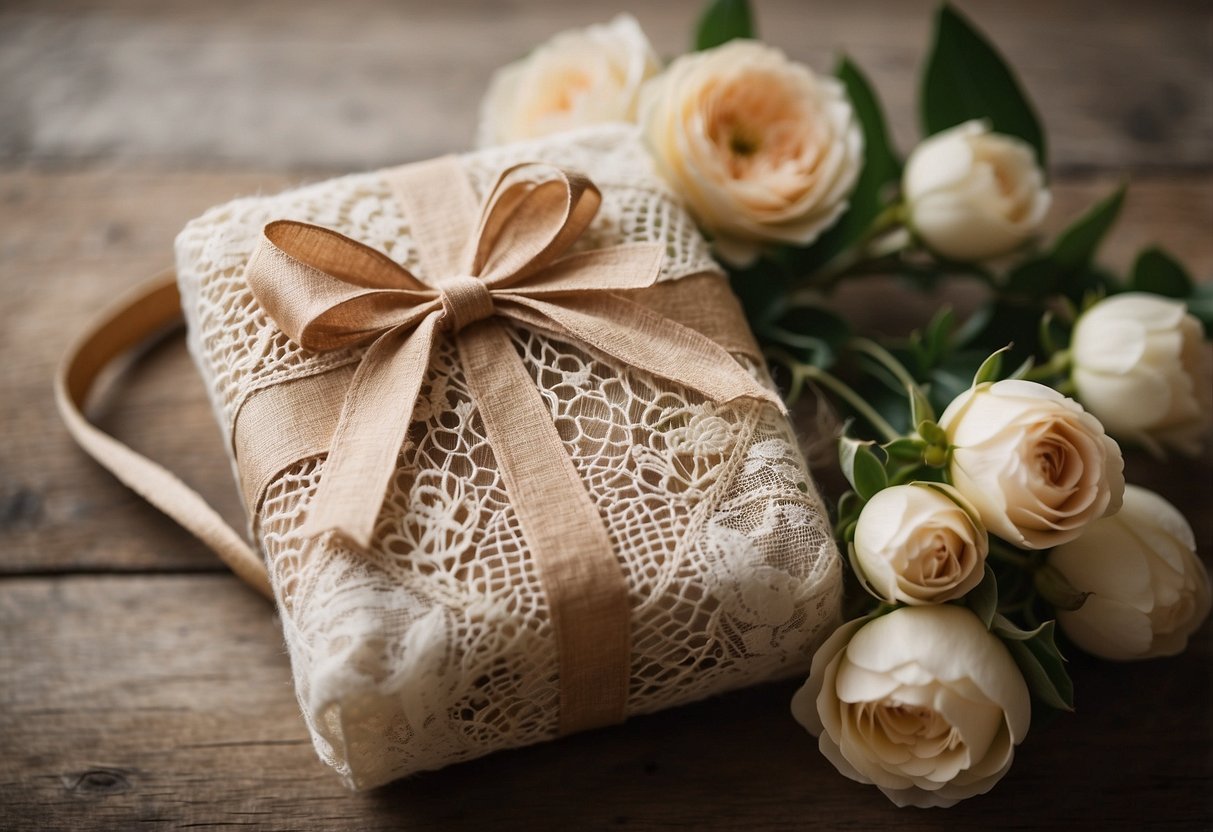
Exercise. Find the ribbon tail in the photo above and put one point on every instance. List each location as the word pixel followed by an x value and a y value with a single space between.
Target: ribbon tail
pixel 641 338
pixel 374 420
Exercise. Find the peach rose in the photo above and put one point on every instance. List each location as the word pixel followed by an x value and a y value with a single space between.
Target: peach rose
pixel 1037 467
pixel 759 148
pixel 923 702
pixel 580 77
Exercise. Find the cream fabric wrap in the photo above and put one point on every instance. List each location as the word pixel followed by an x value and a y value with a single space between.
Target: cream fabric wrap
pixel 438 640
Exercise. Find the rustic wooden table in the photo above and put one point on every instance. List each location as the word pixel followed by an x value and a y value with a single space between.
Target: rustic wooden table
pixel 143 687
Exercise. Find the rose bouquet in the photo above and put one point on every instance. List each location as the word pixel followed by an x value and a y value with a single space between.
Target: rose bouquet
pixel 987 496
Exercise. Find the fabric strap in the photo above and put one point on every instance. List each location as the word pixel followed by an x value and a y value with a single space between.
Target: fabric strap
pixel 146 311
pixel 327 291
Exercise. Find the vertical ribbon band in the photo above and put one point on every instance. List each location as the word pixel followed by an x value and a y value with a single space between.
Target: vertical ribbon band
pixel 326 291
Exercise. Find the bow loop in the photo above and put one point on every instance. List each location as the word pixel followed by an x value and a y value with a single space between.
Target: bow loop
pixel 327 291
pixel 526 225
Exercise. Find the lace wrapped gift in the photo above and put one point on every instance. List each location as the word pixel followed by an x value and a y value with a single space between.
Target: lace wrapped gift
pixel 437 638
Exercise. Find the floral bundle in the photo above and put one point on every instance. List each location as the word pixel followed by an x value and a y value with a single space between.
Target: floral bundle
pixel 987 496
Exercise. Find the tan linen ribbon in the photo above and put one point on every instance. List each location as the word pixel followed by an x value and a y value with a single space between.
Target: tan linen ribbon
pixel 134 318
pixel 327 291
pixel 278 426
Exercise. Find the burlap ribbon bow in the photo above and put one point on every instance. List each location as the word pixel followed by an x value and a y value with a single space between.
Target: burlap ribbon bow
pixel 327 291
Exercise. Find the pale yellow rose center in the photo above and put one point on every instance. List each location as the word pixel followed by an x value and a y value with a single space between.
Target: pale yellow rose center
pixel 562 96
pixel 1055 458
pixel 758 125
pixel 1011 184
pixel 920 729
pixel 937 562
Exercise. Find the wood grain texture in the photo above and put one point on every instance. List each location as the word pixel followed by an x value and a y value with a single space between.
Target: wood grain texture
pixel 178 712
pixel 140 687
pixel 376 81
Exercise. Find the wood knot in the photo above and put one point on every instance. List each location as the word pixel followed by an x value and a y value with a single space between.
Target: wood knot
pixel 98 781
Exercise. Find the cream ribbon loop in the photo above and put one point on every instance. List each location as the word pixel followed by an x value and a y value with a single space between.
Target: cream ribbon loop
pixel 327 291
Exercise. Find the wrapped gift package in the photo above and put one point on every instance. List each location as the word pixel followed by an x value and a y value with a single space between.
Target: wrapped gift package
pixel 560 487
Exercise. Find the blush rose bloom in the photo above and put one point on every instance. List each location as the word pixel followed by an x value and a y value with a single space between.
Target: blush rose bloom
pixel 921 543
pixel 1141 367
pixel 973 194
pixel 1037 467
pixel 1150 591
pixel 924 702
pixel 580 77
pixel 759 148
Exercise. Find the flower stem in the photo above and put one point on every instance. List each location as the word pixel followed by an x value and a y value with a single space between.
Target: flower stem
pixel 875 351
pixel 853 399
pixel 1057 364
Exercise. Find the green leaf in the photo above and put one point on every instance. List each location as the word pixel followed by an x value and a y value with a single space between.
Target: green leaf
pixel 881 168
pixel 1158 272
pixel 761 288
pixel 1200 304
pixel 1048 333
pixel 932 433
pixel 1067 267
pixel 1033 278
pixel 861 467
pixel 813 334
pixel 849 506
pixel 722 21
pixel 1055 588
pixel 1040 662
pixel 938 335
pixel 973 326
pixel 966 78
pixel 1005 629
pixel 905 449
pixel 920 408
pixel 983 598
pixel 990 368
pixel 1076 247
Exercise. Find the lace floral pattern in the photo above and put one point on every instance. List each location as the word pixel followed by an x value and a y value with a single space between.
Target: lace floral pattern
pixel 435 645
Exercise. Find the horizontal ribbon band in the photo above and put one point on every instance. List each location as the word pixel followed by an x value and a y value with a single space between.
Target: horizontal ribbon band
pixel 327 291
pixel 284 424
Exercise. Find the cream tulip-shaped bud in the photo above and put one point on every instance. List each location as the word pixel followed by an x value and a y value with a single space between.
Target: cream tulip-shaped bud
pixel 921 543
pixel 1140 366
pixel 580 77
pixel 1037 467
pixel 1149 590
pixel 759 148
pixel 924 702
pixel 973 194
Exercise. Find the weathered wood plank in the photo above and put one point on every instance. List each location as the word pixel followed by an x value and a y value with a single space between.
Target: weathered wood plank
pixel 71 243
pixel 354 85
pixel 75 239
pixel 165 702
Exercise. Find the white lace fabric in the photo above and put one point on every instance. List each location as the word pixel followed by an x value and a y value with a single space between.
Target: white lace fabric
pixel 435 645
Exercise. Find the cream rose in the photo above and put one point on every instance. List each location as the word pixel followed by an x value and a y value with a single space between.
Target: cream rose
pixel 924 702
pixel 1149 589
pixel 921 543
pixel 973 194
pixel 1037 466
pixel 760 148
pixel 579 77
pixel 1140 366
